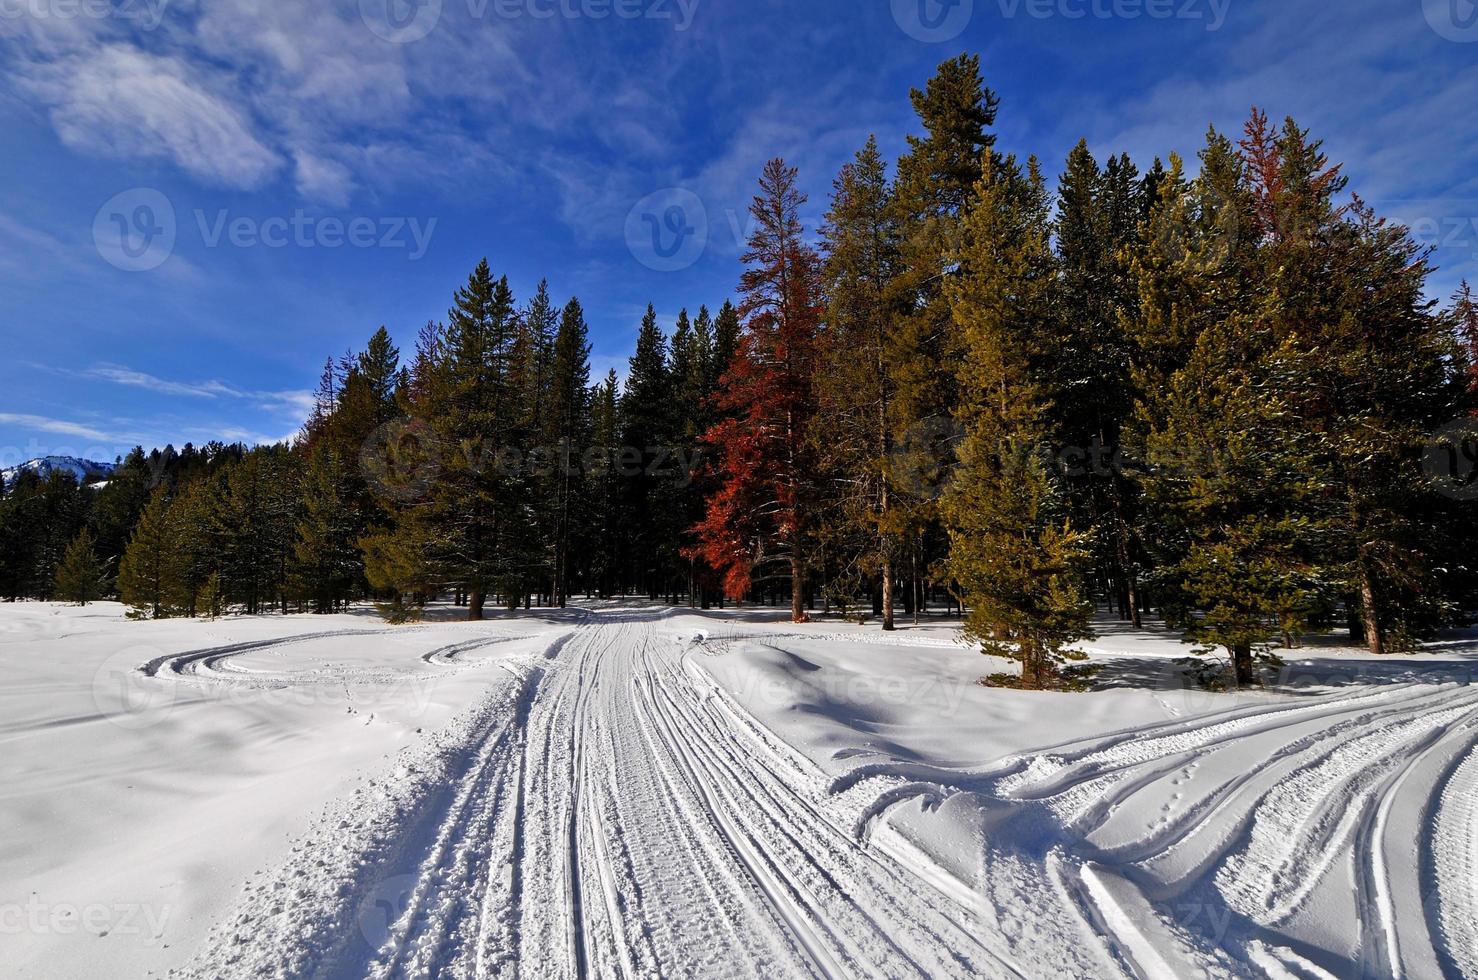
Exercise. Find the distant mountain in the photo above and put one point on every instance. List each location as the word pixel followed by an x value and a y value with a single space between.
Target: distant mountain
pixel 81 469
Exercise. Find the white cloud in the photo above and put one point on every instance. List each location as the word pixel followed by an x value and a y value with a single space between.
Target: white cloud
pixel 292 401
pixel 322 180
pixel 41 423
pixel 122 102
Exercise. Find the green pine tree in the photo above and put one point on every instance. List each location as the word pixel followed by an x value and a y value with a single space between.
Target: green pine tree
pixel 150 561
pixel 81 578
pixel 854 432
pixel 1017 558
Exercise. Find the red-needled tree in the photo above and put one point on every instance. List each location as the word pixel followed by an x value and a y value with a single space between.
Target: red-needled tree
pixel 757 519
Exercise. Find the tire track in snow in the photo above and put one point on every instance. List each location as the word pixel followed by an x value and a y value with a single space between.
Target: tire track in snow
pixel 1454 852
pixel 611 819
pixel 1284 805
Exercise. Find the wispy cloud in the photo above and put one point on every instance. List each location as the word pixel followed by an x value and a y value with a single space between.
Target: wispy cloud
pixel 293 401
pixel 138 379
pixel 61 427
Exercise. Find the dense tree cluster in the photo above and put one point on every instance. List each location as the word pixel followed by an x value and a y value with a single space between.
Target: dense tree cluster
pixel 1210 396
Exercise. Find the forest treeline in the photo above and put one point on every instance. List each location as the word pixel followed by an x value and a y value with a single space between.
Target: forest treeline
pixel 1222 396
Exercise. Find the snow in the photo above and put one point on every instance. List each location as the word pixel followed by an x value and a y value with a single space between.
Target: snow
pixel 627 790
pixel 81 469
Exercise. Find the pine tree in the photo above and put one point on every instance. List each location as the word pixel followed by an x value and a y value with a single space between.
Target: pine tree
pixel 473 523
pixel 1095 230
pixel 605 485
pixel 726 330
pixel 761 514
pixel 379 365
pixel 325 558
pixel 1013 549
pixel 81 578
pixel 647 433
pixel 569 432
pixel 1366 363
pixel 1465 314
pixel 856 388
pixel 148 563
pixel 117 505
pixel 933 185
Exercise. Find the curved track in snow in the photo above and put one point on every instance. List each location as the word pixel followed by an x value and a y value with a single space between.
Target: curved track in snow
pixel 604 814
pixel 608 810
pixel 1297 840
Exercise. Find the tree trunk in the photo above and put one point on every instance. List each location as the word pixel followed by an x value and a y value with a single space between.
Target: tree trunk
pixel 1242 663
pixel 888 624
pixel 1370 613
pixel 797 593
pixel 475 600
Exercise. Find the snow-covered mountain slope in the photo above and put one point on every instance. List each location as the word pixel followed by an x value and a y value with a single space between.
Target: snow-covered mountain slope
pixel 82 469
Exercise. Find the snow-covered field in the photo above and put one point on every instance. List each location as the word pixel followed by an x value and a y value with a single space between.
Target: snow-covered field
pixel 626 790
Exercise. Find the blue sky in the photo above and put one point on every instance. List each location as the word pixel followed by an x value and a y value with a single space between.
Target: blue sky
pixel 200 200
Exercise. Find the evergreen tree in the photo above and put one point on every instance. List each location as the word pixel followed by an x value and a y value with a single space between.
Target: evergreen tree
pixel 379 365
pixel 605 485
pixel 144 575
pixel 1366 364
pixel 1013 549
pixel 726 330
pixel 474 523
pixel 933 186
pixel 1465 314
pixel 856 388
pixel 118 504
pixel 761 514
pixel 569 431
pixel 326 562
pixel 647 432
pixel 1096 230
pixel 81 578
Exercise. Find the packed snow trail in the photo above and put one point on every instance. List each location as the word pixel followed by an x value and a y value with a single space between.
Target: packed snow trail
pixel 610 809
pixel 604 816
